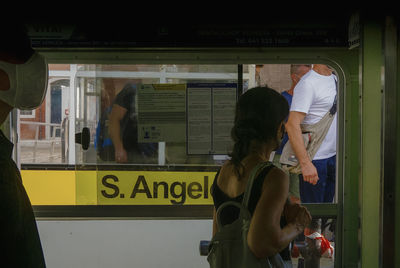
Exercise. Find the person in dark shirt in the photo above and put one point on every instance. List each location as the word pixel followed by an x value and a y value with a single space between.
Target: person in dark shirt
pixel 257 131
pixel 23 84
pixel 123 130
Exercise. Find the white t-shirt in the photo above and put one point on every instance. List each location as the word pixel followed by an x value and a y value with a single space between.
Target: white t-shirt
pixel 314 95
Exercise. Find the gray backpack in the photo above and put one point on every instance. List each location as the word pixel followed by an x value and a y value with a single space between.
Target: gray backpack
pixel 228 247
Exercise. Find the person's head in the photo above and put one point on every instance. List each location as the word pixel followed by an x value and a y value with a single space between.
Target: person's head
pixel 259 117
pixel 23 73
pixel 297 71
pixel 322 69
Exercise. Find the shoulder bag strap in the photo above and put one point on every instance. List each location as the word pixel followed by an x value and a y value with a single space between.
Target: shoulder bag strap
pixel 333 109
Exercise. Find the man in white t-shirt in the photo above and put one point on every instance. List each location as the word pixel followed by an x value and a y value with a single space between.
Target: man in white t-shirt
pixel 313 97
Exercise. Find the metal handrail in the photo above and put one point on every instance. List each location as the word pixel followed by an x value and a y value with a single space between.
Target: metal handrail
pixel 52 140
pixel 39 123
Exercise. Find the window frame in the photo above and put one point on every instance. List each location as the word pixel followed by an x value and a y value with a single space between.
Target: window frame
pixel 334 57
pixel 218 56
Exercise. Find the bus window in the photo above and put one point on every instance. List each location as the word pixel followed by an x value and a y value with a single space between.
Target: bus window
pixel 172 117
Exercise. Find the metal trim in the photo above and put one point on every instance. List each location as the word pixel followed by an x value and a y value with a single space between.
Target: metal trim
pixel 120 211
pixel 119 167
pixel 389 141
pixel 151 211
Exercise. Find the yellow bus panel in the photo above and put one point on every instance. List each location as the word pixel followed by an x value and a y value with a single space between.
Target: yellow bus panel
pixel 54 187
pixel 102 187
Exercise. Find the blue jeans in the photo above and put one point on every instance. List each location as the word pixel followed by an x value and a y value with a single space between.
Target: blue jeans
pixel 324 190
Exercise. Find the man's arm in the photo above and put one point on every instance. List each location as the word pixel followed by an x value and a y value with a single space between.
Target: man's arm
pixel 292 126
pixel 117 114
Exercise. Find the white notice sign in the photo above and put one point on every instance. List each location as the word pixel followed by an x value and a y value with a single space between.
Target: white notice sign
pixel 162 113
pixel 210 115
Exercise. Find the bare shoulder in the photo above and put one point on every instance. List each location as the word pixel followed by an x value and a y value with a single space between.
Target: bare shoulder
pixel 224 172
pixel 224 168
pixel 118 111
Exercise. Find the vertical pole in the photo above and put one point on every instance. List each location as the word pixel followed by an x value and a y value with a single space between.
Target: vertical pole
pixel 252 75
pixel 397 176
pixel 389 128
pixel 161 144
pixel 371 124
pixel 72 111
pixel 15 135
pixel 240 80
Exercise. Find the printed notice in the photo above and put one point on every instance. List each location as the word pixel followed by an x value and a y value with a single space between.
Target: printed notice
pixel 224 101
pixel 162 113
pixel 210 115
pixel 199 120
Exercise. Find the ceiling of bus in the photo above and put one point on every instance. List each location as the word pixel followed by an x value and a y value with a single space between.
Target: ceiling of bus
pixel 285 27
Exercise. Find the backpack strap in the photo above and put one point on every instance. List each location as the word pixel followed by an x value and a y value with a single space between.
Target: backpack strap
pixel 256 170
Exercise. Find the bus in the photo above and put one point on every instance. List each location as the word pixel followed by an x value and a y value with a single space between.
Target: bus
pixel 93 210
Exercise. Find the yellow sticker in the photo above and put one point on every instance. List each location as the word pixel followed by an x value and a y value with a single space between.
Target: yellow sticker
pixel 154 188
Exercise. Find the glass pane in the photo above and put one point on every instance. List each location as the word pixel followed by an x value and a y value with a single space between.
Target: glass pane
pixel 44 131
pixel 83 95
pixel 128 93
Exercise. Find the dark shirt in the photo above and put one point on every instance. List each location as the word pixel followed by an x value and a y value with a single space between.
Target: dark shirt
pixel 19 238
pixel 230 213
pixel 126 98
pixel 285 139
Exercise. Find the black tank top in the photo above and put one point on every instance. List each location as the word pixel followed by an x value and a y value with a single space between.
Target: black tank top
pixel 231 213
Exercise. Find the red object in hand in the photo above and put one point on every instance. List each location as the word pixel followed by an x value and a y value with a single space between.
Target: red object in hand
pixel 295 251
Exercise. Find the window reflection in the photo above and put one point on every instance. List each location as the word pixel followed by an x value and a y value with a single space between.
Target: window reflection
pixel 46 132
pixel 84 95
pixel 117 105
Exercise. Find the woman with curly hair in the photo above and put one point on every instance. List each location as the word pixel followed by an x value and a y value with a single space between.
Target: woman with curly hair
pixel 257 131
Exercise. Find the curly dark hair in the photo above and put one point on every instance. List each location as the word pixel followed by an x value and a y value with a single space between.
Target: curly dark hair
pixel 259 112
